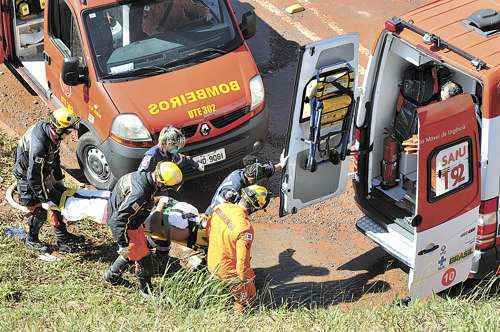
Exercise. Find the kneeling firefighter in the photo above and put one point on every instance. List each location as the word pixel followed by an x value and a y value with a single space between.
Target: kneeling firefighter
pixel 253 173
pixel 37 169
pixel 129 206
pixel 230 237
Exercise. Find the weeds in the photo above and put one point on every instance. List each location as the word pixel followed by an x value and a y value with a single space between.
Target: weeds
pixel 69 295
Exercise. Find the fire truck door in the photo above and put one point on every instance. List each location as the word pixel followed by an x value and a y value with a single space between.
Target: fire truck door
pixel 448 195
pixel 63 42
pixel 320 123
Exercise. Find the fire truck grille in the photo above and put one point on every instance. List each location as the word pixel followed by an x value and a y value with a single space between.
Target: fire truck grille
pixel 227 119
pixel 189 131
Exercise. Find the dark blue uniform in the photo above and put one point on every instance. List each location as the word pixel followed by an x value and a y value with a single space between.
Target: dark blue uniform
pixel 154 156
pixel 231 187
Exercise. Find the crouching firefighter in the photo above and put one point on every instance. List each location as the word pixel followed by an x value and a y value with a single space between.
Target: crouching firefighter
pixel 253 173
pixel 129 205
pixel 230 237
pixel 37 169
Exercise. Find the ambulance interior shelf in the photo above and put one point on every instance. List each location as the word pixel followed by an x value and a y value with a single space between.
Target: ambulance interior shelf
pixel 412 80
pixel 328 105
pixel 28 29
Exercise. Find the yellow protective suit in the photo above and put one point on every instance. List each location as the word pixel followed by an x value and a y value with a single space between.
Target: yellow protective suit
pixel 230 237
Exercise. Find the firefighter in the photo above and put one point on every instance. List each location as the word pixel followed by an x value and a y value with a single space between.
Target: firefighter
pixel 230 237
pixel 37 169
pixel 129 206
pixel 161 17
pixel 254 171
pixel 170 141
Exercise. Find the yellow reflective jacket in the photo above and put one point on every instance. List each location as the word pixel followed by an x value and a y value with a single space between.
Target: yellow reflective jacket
pixel 230 237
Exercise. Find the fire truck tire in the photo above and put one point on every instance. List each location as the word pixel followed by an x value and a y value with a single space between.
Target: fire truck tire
pixel 93 162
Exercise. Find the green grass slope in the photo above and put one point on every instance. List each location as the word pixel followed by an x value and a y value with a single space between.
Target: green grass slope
pixel 69 295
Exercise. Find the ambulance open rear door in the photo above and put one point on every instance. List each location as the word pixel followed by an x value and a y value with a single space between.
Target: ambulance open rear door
pixel 448 196
pixel 320 124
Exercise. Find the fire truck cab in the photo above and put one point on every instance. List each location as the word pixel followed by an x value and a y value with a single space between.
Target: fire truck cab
pixel 129 68
pixel 434 208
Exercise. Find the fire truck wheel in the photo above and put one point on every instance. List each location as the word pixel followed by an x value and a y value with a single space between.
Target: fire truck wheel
pixel 93 162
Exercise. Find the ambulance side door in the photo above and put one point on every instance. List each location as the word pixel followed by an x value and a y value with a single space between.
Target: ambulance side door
pixel 448 195
pixel 317 141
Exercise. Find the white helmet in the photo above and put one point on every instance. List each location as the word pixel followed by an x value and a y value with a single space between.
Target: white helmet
pixel 181 213
pixel 171 139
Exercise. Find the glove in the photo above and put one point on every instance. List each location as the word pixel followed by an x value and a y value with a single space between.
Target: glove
pixel 164 200
pixel 49 205
pixel 123 251
pixel 283 160
pixel 201 167
pixel 202 221
pixel 230 196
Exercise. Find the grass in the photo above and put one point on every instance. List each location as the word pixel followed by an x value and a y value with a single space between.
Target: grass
pixel 69 295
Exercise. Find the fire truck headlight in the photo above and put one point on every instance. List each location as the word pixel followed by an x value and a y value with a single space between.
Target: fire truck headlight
pixel 130 127
pixel 257 91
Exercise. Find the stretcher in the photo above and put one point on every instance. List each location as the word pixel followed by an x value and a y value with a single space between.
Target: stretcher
pixel 187 234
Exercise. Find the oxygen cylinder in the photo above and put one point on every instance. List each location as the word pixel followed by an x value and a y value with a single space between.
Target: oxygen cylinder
pixel 390 161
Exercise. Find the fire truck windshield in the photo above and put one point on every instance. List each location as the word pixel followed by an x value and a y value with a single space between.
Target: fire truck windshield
pixel 128 37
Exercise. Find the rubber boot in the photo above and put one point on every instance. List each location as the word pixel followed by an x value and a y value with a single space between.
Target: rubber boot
pixel 114 274
pixel 144 272
pixel 65 239
pixel 35 222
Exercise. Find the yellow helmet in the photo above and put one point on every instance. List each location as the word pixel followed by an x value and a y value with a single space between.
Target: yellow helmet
pixel 168 174
pixel 64 118
pixel 256 196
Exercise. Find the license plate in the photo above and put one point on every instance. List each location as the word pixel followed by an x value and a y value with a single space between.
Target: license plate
pixel 211 157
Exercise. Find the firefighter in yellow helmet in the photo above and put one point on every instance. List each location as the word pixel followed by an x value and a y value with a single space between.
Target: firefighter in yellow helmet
pixel 37 169
pixel 230 237
pixel 129 205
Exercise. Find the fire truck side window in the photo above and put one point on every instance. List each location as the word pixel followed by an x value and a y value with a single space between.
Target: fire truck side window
pixel 67 40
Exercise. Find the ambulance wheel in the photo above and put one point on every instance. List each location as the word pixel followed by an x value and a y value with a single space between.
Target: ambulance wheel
pixel 93 163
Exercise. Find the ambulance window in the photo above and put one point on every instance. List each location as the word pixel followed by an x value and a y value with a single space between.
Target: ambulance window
pixel 335 90
pixel 64 30
pixel 450 169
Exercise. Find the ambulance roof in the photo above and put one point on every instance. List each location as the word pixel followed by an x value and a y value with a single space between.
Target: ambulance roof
pixel 445 18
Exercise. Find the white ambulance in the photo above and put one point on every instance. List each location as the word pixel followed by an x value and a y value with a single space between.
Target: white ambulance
pixel 434 208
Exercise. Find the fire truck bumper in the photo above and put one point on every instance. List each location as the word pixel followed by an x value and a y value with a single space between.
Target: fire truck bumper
pixel 237 144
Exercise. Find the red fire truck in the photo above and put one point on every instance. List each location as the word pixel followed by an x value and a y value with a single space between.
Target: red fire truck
pixel 129 68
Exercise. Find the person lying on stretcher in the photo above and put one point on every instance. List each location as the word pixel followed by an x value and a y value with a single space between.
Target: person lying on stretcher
pixel 170 220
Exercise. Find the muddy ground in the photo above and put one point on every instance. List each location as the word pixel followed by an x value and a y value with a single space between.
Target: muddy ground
pixel 315 256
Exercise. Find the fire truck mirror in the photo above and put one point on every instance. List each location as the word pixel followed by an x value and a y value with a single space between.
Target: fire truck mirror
pixel 71 73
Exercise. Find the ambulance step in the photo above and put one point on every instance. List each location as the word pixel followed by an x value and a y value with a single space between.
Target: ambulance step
pixel 389 239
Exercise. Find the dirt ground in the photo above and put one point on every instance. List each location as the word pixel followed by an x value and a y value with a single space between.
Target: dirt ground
pixel 315 256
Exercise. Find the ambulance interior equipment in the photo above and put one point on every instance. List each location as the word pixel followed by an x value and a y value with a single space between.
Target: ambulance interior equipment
pixel 397 201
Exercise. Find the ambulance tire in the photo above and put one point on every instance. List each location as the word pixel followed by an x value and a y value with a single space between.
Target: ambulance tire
pixel 93 163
